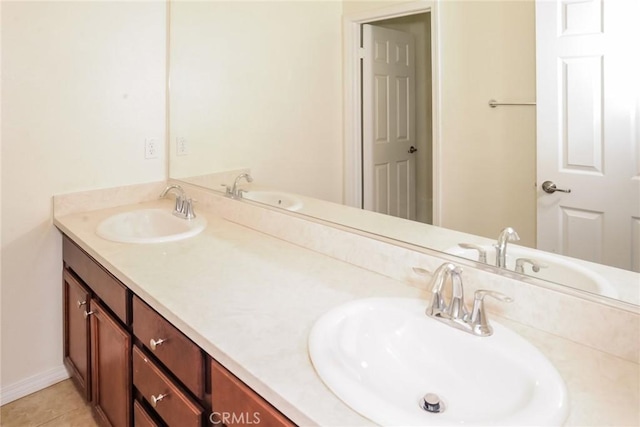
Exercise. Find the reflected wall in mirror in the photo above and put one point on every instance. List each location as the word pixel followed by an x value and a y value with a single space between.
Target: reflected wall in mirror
pixel 258 86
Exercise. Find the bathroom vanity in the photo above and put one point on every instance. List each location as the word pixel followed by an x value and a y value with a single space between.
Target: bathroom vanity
pixel 216 326
pixel 135 366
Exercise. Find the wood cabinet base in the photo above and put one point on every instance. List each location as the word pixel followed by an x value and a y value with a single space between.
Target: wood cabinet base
pixel 235 404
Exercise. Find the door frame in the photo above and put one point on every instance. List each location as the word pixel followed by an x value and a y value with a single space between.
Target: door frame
pixel 352 30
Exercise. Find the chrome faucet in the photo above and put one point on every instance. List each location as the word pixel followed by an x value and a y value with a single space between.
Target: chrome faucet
pixel 455 313
pixel 506 235
pixel 184 206
pixel 235 192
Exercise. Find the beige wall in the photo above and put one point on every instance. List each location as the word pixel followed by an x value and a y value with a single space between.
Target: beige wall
pixel 488 155
pixel 83 84
pixel 357 6
pixel 258 85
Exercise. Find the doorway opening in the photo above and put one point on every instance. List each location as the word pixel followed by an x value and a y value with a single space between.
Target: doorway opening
pixel 390 123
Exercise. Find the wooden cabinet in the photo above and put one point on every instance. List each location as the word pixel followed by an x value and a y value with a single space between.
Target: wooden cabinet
pixel 168 369
pixel 141 417
pixel 97 342
pixel 136 368
pixel 235 404
pixel 182 357
pixel 110 368
pixel 103 285
pixel 76 333
pixel 170 402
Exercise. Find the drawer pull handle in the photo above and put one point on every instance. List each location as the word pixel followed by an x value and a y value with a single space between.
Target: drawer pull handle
pixel 153 343
pixel 81 303
pixel 156 399
pixel 87 314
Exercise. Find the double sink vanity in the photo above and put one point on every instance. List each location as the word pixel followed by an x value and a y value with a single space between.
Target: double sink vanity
pixel 244 314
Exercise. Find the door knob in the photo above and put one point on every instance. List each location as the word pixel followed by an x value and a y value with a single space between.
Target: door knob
pixel 412 149
pixel 550 187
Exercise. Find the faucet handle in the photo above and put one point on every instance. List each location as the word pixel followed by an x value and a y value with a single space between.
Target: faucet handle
pixel 179 206
pixel 438 307
pixel 187 209
pixel 227 189
pixel 482 253
pixel 457 309
pixel 479 322
pixel 535 265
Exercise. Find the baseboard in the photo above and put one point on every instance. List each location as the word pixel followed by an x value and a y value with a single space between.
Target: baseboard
pixel 32 384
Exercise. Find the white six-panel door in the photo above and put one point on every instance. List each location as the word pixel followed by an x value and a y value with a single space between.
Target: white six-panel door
pixel 388 122
pixel 587 129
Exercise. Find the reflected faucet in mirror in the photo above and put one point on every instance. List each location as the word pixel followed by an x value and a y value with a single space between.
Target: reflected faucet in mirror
pixel 234 192
pixel 506 235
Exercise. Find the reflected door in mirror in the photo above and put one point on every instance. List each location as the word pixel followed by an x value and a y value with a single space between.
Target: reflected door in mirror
pixel 585 95
pixel 389 174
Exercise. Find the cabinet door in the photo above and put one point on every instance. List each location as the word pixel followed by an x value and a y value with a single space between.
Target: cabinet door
pixel 234 404
pixel 111 368
pixel 76 333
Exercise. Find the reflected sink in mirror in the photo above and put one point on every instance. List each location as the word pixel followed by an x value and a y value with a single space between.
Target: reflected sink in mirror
pixel 148 226
pixel 381 356
pixel 276 199
pixel 558 269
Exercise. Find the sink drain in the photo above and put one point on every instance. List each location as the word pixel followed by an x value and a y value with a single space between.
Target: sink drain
pixel 431 402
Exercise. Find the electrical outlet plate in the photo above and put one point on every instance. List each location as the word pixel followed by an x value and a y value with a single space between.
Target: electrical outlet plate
pixel 151 148
pixel 182 148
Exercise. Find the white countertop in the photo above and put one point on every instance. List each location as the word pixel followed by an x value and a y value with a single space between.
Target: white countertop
pixel 249 300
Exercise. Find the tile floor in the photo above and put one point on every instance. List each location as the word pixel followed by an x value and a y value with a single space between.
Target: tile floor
pixel 57 406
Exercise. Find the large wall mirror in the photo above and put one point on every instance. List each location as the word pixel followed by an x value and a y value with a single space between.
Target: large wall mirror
pixel 279 89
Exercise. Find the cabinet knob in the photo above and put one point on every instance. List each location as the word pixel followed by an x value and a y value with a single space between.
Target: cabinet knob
pixel 154 343
pixel 156 399
pixel 87 314
pixel 81 303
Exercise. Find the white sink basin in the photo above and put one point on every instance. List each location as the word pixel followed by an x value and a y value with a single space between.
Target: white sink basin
pixel 382 355
pixel 274 198
pixel 148 226
pixel 558 269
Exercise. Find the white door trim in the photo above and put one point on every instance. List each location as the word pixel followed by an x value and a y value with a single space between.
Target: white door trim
pixel 352 95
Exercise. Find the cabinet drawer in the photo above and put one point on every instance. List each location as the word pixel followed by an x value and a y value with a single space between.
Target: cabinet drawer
pixel 175 407
pixel 235 404
pixel 104 285
pixel 177 352
pixel 141 417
